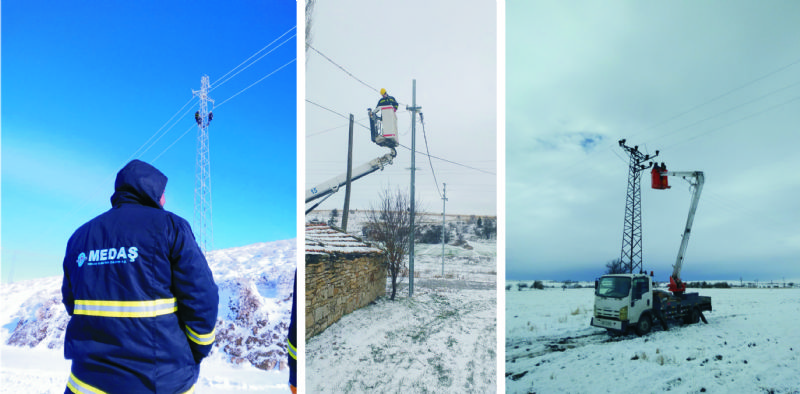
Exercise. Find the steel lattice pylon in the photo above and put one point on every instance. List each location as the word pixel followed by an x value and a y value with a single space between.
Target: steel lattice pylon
pixel 202 182
pixel 631 253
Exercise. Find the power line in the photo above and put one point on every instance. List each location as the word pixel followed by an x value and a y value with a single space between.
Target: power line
pixel 611 146
pixel 173 143
pixel 256 82
pixel 779 69
pixel 728 110
pixel 436 182
pixel 345 70
pixel 451 162
pixel 342 68
pixel 165 133
pixel 409 149
pixel 329 110
pixel 220 104
pixel 735 121
pixel 254 62
pixel 217 83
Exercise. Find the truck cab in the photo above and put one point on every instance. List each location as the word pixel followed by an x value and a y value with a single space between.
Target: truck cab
pixel 623 301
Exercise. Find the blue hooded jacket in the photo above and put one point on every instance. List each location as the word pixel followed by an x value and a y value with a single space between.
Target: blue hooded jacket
pixel 142 299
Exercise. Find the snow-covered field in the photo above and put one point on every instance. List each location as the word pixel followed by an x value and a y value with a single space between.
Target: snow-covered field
pixel 751 344
pixel 255 284
pixel 442 340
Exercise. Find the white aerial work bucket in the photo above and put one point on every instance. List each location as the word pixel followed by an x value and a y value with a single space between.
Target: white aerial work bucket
pixel 389 123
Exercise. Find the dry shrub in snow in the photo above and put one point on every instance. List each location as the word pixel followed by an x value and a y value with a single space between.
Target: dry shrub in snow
pixel 50 322
pixel 251 336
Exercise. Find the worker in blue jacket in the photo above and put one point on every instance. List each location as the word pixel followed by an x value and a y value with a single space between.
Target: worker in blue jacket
pixel 292 340
pixel 386 99
pixel 141 297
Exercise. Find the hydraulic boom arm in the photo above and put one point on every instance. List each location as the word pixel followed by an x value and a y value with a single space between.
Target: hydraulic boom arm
pixel 696 180
pixel 332 185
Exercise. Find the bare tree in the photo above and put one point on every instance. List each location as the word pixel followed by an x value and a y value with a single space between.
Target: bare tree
pixel 615 267
pixel 309 19
pixel 390 226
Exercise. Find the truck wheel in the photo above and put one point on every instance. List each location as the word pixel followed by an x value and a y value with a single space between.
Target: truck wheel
pixel 644 325
pixel 695 316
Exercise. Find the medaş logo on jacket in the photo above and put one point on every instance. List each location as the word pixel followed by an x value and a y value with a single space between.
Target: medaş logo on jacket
pixel 119 255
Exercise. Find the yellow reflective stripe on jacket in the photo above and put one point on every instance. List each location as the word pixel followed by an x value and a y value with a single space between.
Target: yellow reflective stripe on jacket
pixel 190 391
pixel 200 339
pixel 292 349
pixel 126 308
pixel 77 386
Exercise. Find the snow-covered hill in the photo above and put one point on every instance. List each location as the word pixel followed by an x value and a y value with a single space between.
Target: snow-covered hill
pixel 255 285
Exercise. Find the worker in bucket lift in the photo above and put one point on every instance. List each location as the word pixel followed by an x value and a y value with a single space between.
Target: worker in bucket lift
pixel 386 99
pixel 387 107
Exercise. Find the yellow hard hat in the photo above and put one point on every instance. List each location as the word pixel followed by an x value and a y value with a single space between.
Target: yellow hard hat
pixel 383 91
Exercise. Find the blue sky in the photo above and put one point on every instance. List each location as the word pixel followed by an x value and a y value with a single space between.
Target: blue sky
pixel 85 86
pixel 713 85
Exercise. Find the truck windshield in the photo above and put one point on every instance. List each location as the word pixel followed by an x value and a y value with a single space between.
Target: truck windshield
pixel 613 286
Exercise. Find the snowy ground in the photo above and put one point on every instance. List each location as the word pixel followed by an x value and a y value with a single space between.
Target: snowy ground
pixel 443 340
pixel 751 344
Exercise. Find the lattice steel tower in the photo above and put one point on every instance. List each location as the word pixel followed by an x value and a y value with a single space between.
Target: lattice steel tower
pixel 631 254
pixel 203 228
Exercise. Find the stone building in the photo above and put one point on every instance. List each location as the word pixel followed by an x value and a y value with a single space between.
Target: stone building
pixel 343 273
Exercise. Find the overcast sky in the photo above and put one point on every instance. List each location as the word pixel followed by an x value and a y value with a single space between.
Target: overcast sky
pixel 87 87
pixel 714 85
pixel 451 54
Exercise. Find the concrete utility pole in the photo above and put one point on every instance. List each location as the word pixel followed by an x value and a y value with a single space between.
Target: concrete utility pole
pixel 414 109
pixel 444 199
pixel 203 227
pixel 349 177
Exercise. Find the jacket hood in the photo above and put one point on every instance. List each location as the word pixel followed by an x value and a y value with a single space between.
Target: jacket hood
pixel 139 183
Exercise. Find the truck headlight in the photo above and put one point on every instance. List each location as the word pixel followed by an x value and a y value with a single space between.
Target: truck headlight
pixel 623 313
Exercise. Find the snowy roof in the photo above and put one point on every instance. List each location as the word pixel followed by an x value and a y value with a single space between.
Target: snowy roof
pixel 323 239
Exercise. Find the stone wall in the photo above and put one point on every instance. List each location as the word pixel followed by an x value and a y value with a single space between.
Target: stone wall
pixel 342 274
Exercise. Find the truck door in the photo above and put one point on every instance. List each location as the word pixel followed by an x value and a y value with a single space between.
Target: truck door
pixel 642 298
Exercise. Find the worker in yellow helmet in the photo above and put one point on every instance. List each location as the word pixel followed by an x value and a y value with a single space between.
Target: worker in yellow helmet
pixel 386 99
